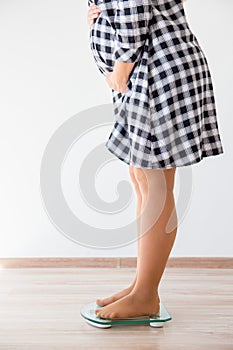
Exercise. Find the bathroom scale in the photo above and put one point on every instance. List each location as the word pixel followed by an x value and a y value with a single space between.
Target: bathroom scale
pixel 156 320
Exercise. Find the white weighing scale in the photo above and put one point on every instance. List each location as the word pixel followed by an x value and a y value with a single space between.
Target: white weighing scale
pixel 157 320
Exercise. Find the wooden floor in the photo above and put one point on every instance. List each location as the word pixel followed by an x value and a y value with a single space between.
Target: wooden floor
pixel 40 309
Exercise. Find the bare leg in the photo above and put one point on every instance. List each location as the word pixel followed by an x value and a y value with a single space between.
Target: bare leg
pixel 158 218
pixel 124 292
pixel 158 228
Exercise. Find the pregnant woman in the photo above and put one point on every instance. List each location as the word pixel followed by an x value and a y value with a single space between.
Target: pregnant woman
pixel 165 117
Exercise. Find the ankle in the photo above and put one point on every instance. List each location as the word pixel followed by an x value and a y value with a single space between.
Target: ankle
pixel 145 294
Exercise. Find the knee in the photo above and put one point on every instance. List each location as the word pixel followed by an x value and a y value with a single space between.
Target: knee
pixel 155 179
pixel 131 173
pixel 134 180
pixel 141 179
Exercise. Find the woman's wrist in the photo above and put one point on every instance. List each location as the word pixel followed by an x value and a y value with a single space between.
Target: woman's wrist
pixel 118 78
pixel 122 70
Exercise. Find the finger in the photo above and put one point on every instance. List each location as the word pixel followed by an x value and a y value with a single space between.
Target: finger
pixel 91 19
pixel 94 10
pixel 124 88
pixel 121 89
pixel 93 16
pixel 92 6
pixel 109 83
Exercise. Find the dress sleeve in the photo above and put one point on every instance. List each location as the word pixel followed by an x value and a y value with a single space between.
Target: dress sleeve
pixel 131 23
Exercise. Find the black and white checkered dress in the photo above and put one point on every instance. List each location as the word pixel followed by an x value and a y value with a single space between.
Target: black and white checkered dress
pixel 167 117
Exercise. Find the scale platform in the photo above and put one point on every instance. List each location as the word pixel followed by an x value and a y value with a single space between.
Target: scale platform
pixel 158 320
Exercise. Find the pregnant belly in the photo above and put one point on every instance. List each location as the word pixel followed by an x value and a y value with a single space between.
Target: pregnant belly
pixel 102 44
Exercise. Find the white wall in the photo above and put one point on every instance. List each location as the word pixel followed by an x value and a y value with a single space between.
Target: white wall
pixel 47 75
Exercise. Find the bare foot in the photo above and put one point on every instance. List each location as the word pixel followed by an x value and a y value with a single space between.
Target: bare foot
pixel 131 305
pixel 116 296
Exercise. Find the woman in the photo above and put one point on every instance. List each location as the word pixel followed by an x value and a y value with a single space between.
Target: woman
pixel 165 114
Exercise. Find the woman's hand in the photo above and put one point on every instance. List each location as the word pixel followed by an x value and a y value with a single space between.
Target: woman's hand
pixel 118 78
pixel 93 13
pixel 115 83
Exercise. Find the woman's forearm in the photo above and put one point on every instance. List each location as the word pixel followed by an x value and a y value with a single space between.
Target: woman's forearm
pixel 118 78
pixel 122 70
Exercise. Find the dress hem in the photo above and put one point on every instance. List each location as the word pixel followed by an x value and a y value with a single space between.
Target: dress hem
pixel 198 160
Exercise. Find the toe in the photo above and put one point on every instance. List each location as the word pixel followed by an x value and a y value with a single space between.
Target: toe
pixel 103 302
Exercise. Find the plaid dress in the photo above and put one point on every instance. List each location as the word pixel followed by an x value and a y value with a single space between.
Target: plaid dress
pixel 167 117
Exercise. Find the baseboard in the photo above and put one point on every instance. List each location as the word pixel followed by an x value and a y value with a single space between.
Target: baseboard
pixel 184 262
